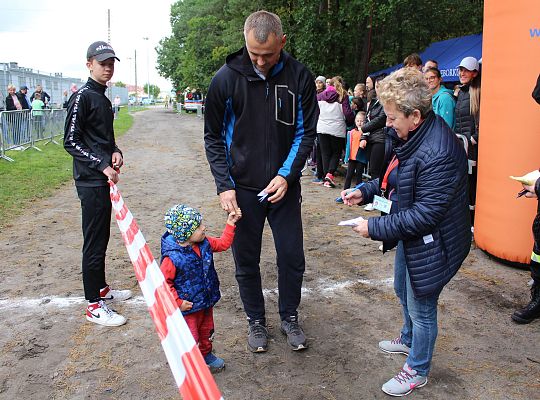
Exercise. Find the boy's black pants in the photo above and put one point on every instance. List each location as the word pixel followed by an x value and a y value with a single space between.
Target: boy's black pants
pixel 96 220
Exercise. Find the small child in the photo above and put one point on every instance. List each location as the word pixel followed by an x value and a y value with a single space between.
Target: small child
pixel 37 114
pixel 355 157
pixel 188 266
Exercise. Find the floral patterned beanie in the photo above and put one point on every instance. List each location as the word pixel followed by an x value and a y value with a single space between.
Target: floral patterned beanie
pixel 181 221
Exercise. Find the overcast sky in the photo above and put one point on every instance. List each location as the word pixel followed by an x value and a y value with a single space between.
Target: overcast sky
pixel 53 35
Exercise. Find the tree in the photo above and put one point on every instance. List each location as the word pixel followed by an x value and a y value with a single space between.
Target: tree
pixel 120 84
pixel 154 90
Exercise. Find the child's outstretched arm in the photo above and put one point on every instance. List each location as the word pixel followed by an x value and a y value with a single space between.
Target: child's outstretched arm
pixel 225 241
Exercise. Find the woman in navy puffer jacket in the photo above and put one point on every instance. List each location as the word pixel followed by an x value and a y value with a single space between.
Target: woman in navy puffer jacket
pixel 423 194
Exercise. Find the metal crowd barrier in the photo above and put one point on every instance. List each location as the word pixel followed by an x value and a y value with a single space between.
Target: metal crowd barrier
pixel 21 130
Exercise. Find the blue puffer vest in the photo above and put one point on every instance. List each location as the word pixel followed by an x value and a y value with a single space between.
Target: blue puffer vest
pixel 196 278
pixel 433 219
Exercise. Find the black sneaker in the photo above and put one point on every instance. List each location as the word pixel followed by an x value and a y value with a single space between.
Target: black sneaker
pixel 295 336
pixel 257 337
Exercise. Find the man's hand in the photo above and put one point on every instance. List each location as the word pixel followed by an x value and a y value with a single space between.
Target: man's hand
pixel 352 197
pixel 233 217
pixel 227 200
pixel 111 174
pixel 362 228
pixel 279 187
pixel 117 160
pixel 186 305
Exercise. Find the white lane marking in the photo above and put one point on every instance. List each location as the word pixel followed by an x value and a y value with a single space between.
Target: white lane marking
pixel 324 287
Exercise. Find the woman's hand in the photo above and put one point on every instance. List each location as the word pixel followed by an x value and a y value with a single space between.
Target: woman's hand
pixel 352 197
pixel 362 228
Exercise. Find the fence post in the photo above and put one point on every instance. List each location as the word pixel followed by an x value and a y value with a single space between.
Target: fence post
pixel 2 148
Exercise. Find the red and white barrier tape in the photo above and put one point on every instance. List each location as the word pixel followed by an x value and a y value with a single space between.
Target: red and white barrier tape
pixel 192 376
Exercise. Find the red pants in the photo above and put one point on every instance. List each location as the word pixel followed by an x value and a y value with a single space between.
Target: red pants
pixel 201 325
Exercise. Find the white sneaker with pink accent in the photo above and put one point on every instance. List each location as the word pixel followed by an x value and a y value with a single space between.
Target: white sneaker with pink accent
pixel 404 382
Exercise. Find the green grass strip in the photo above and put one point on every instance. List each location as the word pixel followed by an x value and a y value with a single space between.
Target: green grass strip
pixel 37 174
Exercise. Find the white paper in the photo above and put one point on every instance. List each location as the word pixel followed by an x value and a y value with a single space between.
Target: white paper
pixel 262 195
pixel 351 222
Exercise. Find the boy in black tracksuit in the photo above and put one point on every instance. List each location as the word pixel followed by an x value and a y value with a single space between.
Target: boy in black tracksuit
pixel 89 138
pixel 260 123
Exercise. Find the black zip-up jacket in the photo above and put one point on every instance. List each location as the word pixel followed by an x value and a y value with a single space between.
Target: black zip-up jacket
pixel 466 122
pixel 256 129
pixel 89 134
pixel 373 129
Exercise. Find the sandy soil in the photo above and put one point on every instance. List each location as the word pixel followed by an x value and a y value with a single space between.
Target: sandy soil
pixel 49 351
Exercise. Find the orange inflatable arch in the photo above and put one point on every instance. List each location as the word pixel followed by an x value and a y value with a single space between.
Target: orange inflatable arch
pixel 509 141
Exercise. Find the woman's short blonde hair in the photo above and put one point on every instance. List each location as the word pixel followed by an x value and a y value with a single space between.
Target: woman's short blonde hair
pixel 408 90
pixel 11 86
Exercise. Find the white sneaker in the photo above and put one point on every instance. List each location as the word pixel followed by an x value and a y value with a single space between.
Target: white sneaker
pixel 394 346
pixel 404 382
pixel 369 207
pixel 100 314
pixel 112 295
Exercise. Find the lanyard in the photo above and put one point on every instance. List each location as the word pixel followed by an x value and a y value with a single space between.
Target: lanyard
pixel 393 164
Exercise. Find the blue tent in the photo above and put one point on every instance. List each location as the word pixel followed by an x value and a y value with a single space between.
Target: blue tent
pixel 448 54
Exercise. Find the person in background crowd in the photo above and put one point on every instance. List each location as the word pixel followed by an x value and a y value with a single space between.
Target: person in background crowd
pixel 116 106
pixel 413 61
pixel 370 91
pixel 45 98
pixel 187 263
pixel 89 139
pixel 355 157
pixel 13 102
pixel 443 100
pixel 373 135
pixel 430 64
pixel 423 199
pixel 37 115
pixel 22 94
pixel 320 84
pixel 335 115
pixel 532 310
pixel 256 150
pixel 65 98
pixel 328 83
pixel 467 119
pixel 357 104
pixel 360 92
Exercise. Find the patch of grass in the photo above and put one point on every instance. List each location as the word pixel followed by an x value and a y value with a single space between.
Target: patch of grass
pixel 34 174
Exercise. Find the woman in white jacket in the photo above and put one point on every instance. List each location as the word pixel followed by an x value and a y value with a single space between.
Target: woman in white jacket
pixel 335 115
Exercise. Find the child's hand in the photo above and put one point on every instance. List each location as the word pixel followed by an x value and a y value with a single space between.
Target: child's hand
pixel 186 305
pixel 234 216
pixel 363 143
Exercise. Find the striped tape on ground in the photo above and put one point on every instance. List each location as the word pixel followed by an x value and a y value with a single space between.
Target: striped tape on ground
pixel 192 376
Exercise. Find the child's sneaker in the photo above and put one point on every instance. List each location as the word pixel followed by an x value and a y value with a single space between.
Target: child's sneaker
pixel 111 295
pixel 100 314
pixel 404 382
pixel 330 179
pixel 369 207
pixel 394 346
pixel 215 364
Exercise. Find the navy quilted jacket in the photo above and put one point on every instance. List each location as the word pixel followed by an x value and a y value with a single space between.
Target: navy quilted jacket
pixel 196 277
pixel 432 219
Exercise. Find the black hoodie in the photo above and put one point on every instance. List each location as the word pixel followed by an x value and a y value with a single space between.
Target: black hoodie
pixel 256 129
pixel 89 134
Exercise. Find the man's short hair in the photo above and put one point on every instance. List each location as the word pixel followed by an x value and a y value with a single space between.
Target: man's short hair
pixel 263 23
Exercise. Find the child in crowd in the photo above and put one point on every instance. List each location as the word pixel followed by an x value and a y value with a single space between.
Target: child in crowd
pixel 37 114
pixel 355 157
pixel 188 266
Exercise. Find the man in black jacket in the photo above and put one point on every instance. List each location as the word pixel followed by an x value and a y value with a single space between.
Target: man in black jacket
pixel 89 138
pixel 260 124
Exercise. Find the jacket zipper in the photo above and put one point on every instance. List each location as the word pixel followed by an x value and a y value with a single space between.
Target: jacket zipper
pixel 267 134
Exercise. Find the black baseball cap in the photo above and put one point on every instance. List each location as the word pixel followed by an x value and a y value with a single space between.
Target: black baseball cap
pixel 100 51
pixel 24 87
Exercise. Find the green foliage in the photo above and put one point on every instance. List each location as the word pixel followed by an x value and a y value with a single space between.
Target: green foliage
pixel 120 84
pixel 154 90
pixel 332 37
pixel 35 175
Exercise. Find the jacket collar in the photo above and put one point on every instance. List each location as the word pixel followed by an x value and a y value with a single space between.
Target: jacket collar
pixel 98 87
pixel 240 62
pixel 416 138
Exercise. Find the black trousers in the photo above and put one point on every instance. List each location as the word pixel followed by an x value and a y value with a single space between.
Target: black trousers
pixel 535 261
pixel 285 220
pixel 331 149
pixel 354 169
pixel 96 221
pixel 376 159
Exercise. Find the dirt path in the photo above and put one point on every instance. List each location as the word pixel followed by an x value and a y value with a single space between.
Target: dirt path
pixel 49 351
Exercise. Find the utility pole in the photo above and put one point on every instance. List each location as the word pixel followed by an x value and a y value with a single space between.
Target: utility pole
pixel 136 87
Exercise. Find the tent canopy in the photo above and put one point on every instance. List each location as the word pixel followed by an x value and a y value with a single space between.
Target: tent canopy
pixel 448 53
